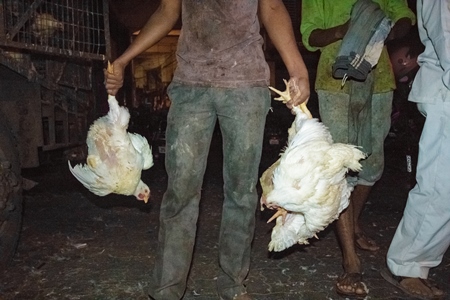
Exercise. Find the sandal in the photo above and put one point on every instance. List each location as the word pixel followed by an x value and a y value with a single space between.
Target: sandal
pixel 355 281
pixel 365 243
pixel 396 281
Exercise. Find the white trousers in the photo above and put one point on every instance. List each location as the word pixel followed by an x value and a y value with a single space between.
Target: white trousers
pixel 423 234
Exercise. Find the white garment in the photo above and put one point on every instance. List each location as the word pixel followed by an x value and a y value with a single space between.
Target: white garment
pixel 434 75
pixel 423 235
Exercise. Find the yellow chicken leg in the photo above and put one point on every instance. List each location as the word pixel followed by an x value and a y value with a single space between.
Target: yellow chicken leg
pixel 280 212
pixel 286 96
pixel 110 68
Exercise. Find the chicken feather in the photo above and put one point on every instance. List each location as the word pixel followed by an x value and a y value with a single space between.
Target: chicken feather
pixel 116 157
pixel 308 181
pixel 45 25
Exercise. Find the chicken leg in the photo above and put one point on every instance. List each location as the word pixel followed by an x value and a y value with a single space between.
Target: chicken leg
pixel 286 96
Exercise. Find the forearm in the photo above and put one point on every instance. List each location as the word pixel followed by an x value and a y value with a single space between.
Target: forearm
pixel 325 37
pixel 277 23
pixel 400 29
pixel 157 27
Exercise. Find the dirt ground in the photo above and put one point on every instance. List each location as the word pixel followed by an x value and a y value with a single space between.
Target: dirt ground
pixel 75 245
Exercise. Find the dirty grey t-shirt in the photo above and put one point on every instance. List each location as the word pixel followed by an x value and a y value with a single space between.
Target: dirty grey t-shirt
pixel 220 44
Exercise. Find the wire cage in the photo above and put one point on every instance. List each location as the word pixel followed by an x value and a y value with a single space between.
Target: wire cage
pixel 57 48
pixel 73 28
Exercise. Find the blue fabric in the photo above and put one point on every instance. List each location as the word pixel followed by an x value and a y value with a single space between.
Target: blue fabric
pixel 367 21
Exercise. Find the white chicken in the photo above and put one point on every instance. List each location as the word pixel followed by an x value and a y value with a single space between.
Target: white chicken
pixel 116 157
pixel 45 26
pixel 307 184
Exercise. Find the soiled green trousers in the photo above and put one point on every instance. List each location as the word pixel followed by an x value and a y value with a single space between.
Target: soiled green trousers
pixel 241 113
pixel 336 113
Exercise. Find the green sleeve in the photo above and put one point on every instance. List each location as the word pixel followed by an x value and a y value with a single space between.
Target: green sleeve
pixel 312 19
pixel 398 9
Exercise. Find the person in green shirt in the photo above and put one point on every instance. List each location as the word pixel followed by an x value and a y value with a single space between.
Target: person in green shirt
pixel 324 24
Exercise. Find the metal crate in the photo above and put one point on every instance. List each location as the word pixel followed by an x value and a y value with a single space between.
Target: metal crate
pixel 72 28
pixel 48 50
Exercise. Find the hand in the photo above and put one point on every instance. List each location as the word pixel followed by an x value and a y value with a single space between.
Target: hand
pixel 298 90
pixel 114 80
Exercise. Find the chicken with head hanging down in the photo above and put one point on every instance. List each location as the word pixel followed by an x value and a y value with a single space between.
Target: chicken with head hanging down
pixel 307 184
pixel 116 157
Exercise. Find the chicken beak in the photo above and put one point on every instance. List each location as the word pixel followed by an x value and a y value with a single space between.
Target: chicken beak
pixel 143 197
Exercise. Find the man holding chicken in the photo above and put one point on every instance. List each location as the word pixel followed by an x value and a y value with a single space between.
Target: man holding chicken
pixel 221 75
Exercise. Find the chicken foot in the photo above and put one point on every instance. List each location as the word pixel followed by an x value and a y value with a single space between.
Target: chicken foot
pixel 280 212
pixel 286 96
pixel 110 68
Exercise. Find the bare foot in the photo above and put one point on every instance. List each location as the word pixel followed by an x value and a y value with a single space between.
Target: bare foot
pixel 363 242
pixel 351 284
pixel 421 287
pixel 414 287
